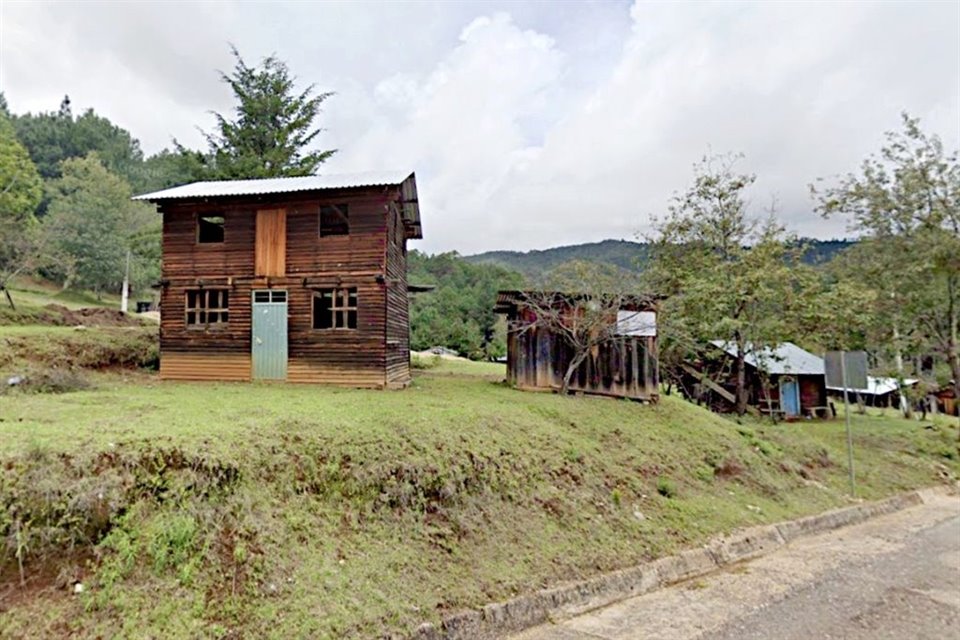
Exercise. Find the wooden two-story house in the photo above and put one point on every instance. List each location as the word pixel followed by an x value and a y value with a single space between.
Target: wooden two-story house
pixel 297 279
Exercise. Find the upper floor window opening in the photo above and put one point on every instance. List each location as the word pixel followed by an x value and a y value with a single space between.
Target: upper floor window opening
pixel 209 229
pixel 334 220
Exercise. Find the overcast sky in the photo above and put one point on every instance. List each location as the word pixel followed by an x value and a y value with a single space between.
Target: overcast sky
pixel 529 125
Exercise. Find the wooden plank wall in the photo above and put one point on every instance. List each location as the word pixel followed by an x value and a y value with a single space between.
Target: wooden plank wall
pixel 271 243
pixel 176 365
pixel 626 367
pixel 397 299
pixel 360 259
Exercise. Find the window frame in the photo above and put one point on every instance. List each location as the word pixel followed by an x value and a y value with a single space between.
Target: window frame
pixel 343 210
pixel 222 308
pixel 337 311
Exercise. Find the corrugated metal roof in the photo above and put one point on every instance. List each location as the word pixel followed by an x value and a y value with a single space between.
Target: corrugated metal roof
pixel 220 188
pixel 787 358
pixel 880 386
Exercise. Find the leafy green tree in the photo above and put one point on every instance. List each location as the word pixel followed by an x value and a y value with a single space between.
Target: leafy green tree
pixel 725 274
pixel 56 136
pixel 93 223
pixel 163 170
pixel 458 314
pixel 20 192
pixel 272 127
pixel 905 203
pixel 20 184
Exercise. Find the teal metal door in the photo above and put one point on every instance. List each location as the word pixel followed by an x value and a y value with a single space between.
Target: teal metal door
pixel 790 397
pixel 269 335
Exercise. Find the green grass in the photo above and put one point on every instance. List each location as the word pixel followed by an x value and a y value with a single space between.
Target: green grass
pixel 36 293
pixel 260 510
pixel 34 346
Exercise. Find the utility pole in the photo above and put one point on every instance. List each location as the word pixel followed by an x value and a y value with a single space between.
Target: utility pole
pixel 846 412
pixel 125 293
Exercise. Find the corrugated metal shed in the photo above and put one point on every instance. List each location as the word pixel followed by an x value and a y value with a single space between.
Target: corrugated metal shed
pixel 406 180
pixel 787 358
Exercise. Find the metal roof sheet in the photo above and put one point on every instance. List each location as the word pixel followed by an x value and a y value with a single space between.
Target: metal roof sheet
pixel 219 188
pixel 787 358
pixel 880 386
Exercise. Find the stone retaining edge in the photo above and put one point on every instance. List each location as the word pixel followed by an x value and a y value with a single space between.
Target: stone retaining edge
pixel 499 619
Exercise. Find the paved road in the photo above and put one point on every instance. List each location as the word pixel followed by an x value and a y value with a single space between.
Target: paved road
pixel 897 576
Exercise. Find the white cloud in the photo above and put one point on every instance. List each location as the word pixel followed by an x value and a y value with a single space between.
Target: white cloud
pixel 529 124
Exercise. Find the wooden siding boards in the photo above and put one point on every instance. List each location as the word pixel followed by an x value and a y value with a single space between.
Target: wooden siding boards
pixel 624 367
pixel 371 258
pixel 270 251
pixel 718 367
pixel 397 304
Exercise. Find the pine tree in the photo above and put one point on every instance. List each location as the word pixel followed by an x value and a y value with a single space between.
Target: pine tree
pixel 270 132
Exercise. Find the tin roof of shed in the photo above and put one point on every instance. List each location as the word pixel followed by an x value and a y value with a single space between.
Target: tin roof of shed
pixel 787 358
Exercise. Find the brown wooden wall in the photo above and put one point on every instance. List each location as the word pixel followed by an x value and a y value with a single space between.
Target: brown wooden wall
pixel 371 258
pixel 625 367
pixel 397 304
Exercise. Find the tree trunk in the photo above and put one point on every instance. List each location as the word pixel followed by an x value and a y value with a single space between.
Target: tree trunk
pixel 898 360
pixel 575 362
pixel 741 390
pixel 955 372
pixel 9 298
pixel 953 350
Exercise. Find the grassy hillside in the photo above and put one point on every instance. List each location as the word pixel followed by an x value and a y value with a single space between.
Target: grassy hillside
pixel 259 510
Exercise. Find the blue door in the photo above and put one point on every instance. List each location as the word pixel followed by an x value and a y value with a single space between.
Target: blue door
pixel 790 397
pixel 269 335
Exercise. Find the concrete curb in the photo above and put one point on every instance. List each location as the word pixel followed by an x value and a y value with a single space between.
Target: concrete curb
pixel 564 601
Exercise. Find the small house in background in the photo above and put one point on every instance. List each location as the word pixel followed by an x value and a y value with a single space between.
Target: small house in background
pixel 786 381
pixel 625 365
pixel 296 279
pixel 946 398
pixel 880 392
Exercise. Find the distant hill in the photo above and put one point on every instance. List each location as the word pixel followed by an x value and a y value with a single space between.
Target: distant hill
pixel 622 253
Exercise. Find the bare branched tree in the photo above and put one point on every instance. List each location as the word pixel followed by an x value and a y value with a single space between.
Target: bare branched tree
pixel 587 306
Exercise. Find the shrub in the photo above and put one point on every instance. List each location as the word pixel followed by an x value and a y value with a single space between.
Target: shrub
pixel 666 488
pixel 423 362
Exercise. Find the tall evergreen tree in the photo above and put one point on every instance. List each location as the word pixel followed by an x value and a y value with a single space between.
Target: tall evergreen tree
pixel 270 131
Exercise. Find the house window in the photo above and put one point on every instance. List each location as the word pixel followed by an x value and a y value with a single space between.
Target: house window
pixel 335 309
pixel 334 220
pixel 207 308
pixel 209 229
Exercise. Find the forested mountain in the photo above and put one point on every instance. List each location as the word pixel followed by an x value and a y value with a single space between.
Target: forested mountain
pixel 458 313
pixel 620 253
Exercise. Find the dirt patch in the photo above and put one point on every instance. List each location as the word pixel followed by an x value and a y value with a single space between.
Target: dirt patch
pixel 51 578
pixel 730 468
pixel 92 317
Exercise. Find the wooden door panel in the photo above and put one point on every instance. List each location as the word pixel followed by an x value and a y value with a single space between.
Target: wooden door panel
pixel 271 246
